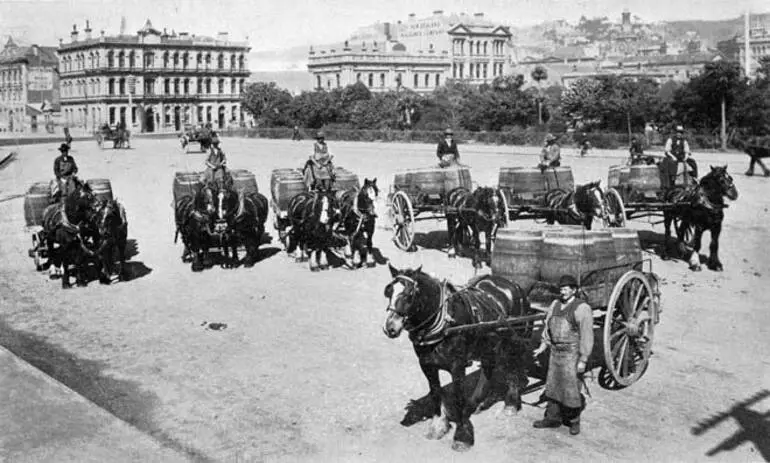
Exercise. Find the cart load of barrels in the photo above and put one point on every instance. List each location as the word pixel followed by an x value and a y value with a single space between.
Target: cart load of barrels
pixel 38 197
pixel 287 183
pixel 431 184
pixel 597 258
pixel 190 184
pixel 528 186
pixel 643 182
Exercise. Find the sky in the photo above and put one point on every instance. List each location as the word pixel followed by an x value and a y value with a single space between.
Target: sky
pixel 278 24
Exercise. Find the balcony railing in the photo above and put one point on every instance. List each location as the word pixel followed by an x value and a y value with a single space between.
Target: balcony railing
pixel 153 69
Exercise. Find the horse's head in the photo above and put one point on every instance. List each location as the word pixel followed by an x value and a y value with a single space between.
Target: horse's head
pixel 490 204
pixel 413 298
pixel 326 206
pixel 589 199
pixel 367 197
pixel 79 203
pixel 720 182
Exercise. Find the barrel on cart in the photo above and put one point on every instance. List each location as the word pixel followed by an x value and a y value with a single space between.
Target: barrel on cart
pixel 420 191
pixel 609 266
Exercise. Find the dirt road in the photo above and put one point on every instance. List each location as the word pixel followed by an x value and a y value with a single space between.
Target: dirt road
pixel 303 371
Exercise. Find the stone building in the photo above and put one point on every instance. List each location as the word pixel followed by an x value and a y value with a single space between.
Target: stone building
pixel 153 81
pixel 29 88
pixel 418 54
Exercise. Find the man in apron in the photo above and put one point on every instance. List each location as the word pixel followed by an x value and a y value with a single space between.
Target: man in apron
pixel 569 333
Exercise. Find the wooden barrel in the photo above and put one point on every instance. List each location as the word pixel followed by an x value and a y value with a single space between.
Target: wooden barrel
pixel 277 174
pixel 286 185
pixel 628 249
pixel 618 176
pixel 559 177
pixel 455 177
pixel 38 197
pixel 516 256
pixel 101 187
pixel 644 178
pixel 566 252
pixel 345 179
pixel 186 184
pixel 525 185
pixel 437 181
pixel 244 180
pixel 603 251
pixel 399 181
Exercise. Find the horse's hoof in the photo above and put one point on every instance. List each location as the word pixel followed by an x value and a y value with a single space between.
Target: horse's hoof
pixel 66 286
pixel 509 411
pixel 695 268
pixel 82 284
pixel 458 446
pixel 371 264
pixel 105 281
pixel 436 432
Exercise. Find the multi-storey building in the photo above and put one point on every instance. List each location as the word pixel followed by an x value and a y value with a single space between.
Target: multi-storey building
pixel 419 54
pixel 154 81
pixel 29 96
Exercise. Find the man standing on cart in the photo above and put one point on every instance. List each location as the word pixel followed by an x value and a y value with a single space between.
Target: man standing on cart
pixel 64 169
pixel 550 156
pixel 319 164
pixel 447 151
pixel 569 332
pixel 678 152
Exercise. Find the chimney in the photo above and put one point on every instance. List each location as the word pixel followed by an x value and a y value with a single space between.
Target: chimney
pixel 374 47
pixel 311 52
pixel 438 12
pixel 88 30
pixel 222 36
pixel 74 33
pixel 412 15
pixel 184 35
pixel 61 43
pixel 478 15
pixel 347 46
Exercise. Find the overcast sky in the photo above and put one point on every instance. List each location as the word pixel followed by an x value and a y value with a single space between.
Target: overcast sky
pixel 276 24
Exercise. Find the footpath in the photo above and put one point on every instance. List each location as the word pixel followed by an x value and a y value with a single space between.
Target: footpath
pixel 41 420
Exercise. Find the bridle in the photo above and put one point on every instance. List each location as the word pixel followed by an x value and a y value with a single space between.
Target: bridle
pixel 431 330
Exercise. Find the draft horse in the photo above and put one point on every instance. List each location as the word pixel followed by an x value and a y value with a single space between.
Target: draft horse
pixel 699 208
pixel 358 211
pixel 470 214
pixel 579 207
pixel 425 307
pixel 245 226
pixel 110 227
pixel 313 216
pixel 193 225
pixel 62 228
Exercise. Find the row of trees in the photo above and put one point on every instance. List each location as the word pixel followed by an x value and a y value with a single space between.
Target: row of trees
pixel 718 96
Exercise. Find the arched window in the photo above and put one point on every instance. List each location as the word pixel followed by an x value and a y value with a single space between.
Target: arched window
pixel 121 59
pixel 185 60
pixel 470 47
pixel 110 59
pixel 122 86
pixel 175 59
pixel 221 61
pixel 198 87
pixel 317 82
pixel 241 63
pixel 176 86
pixel 438 80
pixel 232 62
pixel 382 79
pixel 166 86
pixel 91 60
pixel 208 86
pixel 240 85
pixel 233 86
pixel 221 86
pixel 338 80
pixel 198 60
pixel 111 87
pixel 416 81
pixel 371 79
pixel 208 60
pixel 186 86
pixel 165 60
pixel 358 77
pixel 427 80
pixel 485 48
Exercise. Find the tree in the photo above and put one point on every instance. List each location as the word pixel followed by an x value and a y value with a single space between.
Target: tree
pixel 581 102
pixel 539 74
pixel 267 103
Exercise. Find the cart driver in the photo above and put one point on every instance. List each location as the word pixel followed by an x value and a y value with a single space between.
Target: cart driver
pixel 569 333
pixel 678 152
pixel 550 155
pixel 216 166
pixel 64 169
pixel 320 163
pixel 447 151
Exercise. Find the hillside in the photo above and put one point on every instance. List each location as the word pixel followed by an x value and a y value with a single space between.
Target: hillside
pixel 710 32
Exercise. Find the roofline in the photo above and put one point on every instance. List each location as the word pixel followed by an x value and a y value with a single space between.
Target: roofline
pixel 118 42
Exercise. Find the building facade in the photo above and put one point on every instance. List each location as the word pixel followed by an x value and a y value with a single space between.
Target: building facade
pixel 152 81
pixel 418 54
pixel 29 88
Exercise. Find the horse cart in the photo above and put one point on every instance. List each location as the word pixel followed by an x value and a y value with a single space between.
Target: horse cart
pixel 421 194
pixel 120 137
pixel 550 195
pixel 192 134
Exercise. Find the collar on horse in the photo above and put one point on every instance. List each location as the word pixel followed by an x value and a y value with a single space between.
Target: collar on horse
pixel 433 329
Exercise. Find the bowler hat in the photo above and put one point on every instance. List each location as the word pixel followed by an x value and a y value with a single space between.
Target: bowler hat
pixel 679 128
pixel 319 135
pixel 568 280
pixel 448 132
pixel 550 137
pixel 64 147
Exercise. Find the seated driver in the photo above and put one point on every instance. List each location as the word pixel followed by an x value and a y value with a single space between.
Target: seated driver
pixel 216 166
pixel 320 163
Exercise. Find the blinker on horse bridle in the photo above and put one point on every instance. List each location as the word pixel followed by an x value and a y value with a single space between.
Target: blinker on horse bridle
pixel 436 323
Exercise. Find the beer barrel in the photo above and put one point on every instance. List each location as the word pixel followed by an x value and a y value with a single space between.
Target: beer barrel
pixel 186 184
pixel 244 180
pixel 455 177
pixel 516 256
pixel 436 181
pixel 38 197
pixel 618 176
pixel 345 179
pixel 286 185
pixel 644 178
pixel 559 177
pixel 526 185
pixel 566 252
pixel 628 250
pixel 101 187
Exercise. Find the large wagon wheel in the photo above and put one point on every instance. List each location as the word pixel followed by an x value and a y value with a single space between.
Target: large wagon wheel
pixel 403 220
pixel 616 210
pixel 504 205
pixel 629 328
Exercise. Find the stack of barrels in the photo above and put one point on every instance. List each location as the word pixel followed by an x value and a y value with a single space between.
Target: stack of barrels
pixel 284 185
pixel 618 176
pixel 528 186
pixel 37 198
pixel 433 180
pixel 101 187
pixel 596 258
pixel 186 184
pixel 345 179
pixel 244 180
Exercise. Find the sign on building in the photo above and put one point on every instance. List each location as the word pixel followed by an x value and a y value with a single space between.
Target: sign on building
pixel 40 79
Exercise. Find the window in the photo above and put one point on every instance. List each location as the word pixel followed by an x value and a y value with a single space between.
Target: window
pixel 175 60
pixel 318 81
pixel 221 61
pixel 176 86
pixel 165 60
pixel 133 115
pixel 232 62
pixel 485 70
pixel 123 115
pixel 149 60
pixel 427 80
pixel 166 86
pixel 185 60
pixel 454 70
pixel 438 80
pixel 416 81
pixel 122 86
pixel 241 63
pixel 132 60
pixel 358 77
pixel 121 60
pixel 233 87
pixel 328 83
pixel 382 79
pixel 338 85
pixel 110 59
pixel 470 47
pixel 221 86
pixel 112 116
pixel 371 80
pixel 111 87
pixel 399 80
pixel 186 86
pixel 208 60
pixel 208 86
pixel 198 61
pixel 470 70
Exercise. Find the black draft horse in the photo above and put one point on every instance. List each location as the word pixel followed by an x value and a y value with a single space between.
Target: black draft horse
pixel 246 224
pixel 313 216
pixel 62 223
pixel 111 236
pixel 426 307
pixel 480 211
pixel 358 211
pixel 699 208
pixel 579 207
pixel 193 225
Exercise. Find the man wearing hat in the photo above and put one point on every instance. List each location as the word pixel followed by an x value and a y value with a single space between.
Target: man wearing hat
pixel 64 169
pixel 569 333
pixel 216 165
pixel 678 152
pixel 550 156
pixel 319 165
pixel 447 151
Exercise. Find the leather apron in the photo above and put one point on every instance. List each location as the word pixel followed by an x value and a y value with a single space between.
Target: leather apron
pixel 562 384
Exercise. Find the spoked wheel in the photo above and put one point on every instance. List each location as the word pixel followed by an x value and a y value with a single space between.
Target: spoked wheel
pixel 403 220
pixel 504 205
pixel 629 327
pixel 616 211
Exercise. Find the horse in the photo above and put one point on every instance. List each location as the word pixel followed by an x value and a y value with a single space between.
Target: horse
pixel 579 207
pixel 111 231
pixel 193 224
pixel 358 211
pixel 426 307
pixel 699 208
pixel 222 203
pixel 313 216
pixel 480 211
pixel 62 226
pixel 246 225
